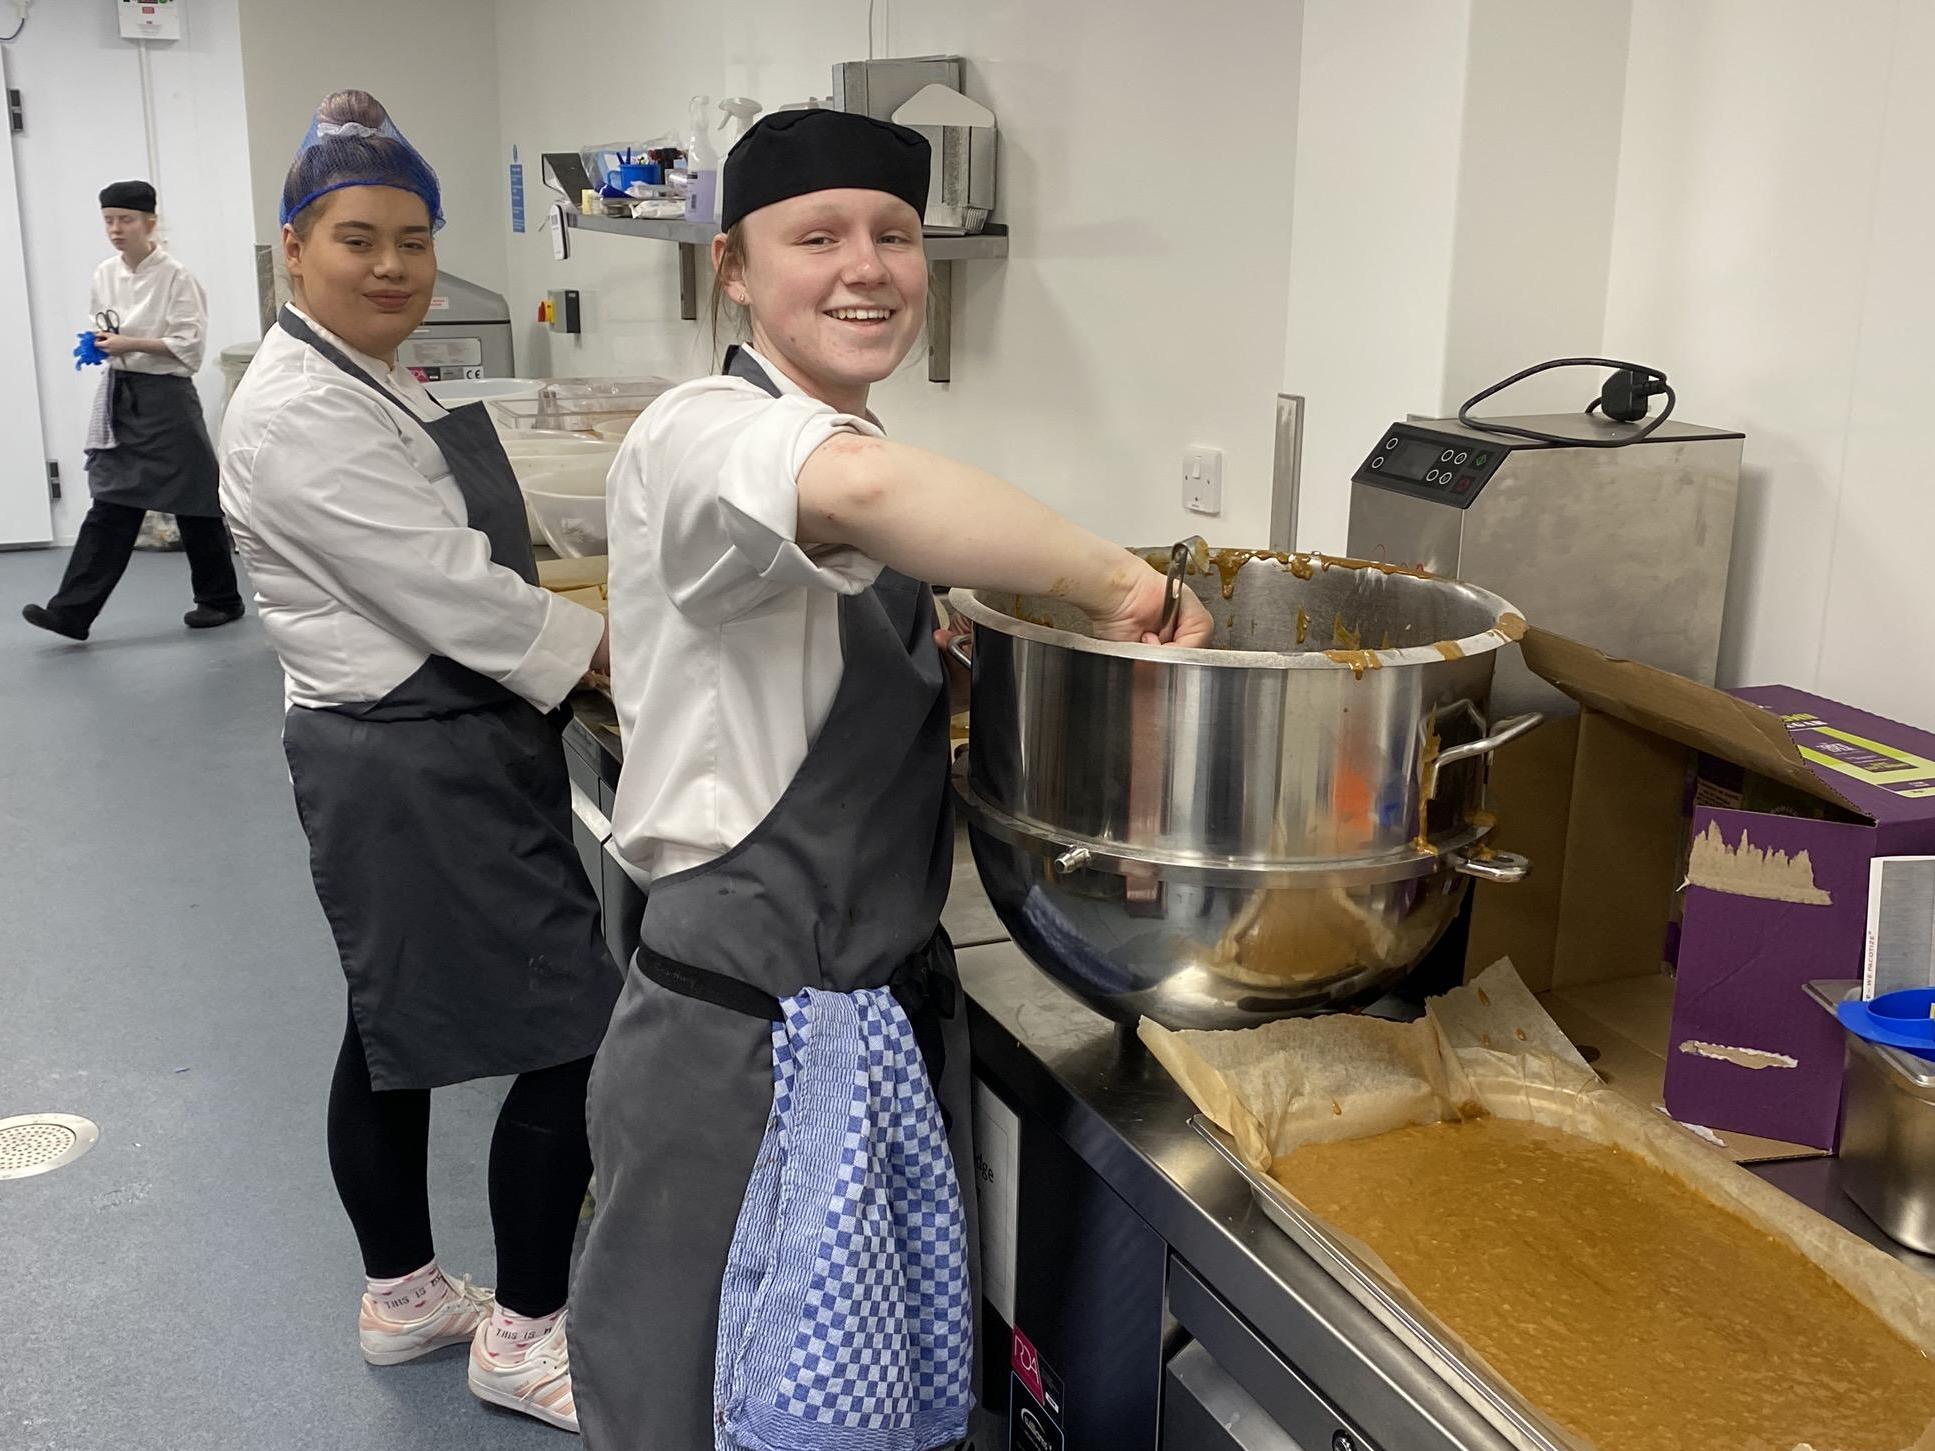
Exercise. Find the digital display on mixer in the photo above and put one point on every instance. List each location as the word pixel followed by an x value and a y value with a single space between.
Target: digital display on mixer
pixel 1411 459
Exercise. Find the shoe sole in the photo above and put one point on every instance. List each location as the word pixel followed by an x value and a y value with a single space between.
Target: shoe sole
pixel 79 638
pixel 211 624
pixel 510 1402
pixel 398 1357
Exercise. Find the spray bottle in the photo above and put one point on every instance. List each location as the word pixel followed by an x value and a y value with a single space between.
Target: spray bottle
pixel 702 163
pixel 740 111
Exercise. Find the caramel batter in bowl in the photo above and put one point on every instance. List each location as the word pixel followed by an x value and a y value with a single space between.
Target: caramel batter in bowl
pixel 1630 1309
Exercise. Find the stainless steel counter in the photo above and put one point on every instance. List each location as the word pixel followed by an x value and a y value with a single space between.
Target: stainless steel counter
pixel 1115 1107
pixel 1092 1085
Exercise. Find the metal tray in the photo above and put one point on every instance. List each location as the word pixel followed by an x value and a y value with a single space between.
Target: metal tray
pixel 1508 1412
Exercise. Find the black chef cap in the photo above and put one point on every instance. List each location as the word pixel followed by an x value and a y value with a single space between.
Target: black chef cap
pixel 790 153
pixel 133 196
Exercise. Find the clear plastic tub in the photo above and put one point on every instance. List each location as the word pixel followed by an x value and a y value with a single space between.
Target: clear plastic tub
pixel 579 405
pixel 454 392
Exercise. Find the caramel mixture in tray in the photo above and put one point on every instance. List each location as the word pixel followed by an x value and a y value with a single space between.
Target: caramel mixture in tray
pixel 1624 1305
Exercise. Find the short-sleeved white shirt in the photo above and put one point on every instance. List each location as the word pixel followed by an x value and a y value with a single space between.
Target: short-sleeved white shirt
pixel 725 632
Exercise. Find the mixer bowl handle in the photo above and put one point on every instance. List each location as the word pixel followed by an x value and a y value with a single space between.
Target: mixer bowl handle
pixel 1495 736
pixel 1498 866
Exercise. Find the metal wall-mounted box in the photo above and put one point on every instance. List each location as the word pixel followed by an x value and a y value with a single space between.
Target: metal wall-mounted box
pixel 878 88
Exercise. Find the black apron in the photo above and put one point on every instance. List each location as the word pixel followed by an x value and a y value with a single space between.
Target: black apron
pixel 840 886
pixel 439 825
pixel 161 459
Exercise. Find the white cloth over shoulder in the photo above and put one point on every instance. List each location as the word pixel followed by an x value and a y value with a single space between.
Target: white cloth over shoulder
pixel 725 632
pixel 358 540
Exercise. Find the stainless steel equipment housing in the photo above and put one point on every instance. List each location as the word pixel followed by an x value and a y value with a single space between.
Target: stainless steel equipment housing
pixel 1624 549
pixel 1887 1151
pixel 878 88
pixel 1217 837
pixel 960 193
pixel 466 334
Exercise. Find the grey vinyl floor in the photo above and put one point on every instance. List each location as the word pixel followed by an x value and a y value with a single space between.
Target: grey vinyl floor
pixel 190 1284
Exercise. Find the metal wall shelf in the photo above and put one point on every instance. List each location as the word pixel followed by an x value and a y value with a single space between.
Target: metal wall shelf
pixel 943 252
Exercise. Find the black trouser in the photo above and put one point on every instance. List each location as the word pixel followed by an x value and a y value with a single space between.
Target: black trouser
pixel 105 544
pixel 540 1163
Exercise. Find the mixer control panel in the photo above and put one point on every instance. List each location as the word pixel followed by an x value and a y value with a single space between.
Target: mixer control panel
pixel 1446 468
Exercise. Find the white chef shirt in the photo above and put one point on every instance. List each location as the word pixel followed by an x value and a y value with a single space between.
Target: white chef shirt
pixel 357 541
pixel 725 632
pixel 158 299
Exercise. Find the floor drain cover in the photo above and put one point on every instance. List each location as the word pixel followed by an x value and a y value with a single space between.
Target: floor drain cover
pixel 34 1143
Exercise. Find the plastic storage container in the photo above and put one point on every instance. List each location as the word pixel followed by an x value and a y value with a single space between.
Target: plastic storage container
pixel 453 392
pixel 579 405
pixel 1887 1151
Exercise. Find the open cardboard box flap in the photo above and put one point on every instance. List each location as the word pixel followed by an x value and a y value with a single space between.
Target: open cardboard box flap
pixel 1597 802
pixel 1695 715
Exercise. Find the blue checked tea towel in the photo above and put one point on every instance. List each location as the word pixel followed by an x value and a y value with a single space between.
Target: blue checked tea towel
pixel 845 1322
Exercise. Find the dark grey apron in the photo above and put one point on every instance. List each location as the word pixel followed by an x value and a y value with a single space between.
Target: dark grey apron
pixel 841 887
pixel 439 825
pixel 161 458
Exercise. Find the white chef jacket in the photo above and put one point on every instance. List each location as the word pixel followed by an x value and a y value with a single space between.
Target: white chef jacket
pixel 357 540
pixel 158 299
pixel 725 632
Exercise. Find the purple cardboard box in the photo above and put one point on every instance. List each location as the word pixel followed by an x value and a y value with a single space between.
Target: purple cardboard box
pixel 1775 901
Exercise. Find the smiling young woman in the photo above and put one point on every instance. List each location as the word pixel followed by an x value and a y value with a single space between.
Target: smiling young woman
pixel 784 709
pixel 425 670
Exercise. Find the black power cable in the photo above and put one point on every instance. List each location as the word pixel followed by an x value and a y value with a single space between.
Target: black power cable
pixel 1623 398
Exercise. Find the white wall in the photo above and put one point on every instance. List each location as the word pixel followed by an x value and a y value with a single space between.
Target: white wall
pixel 1381 110
pixel 26 517
pixel 1455 168
pixel 1146 172
pixel 80 83
pixel 433 63
pixel 1544 89
pixel 1771 252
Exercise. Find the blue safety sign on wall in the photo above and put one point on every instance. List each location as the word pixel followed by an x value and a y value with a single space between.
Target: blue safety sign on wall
pixel 517 192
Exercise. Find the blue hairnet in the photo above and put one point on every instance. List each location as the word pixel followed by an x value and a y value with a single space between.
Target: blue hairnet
pixel 337 154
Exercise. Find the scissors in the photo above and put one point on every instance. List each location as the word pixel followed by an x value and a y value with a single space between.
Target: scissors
pixel 107 321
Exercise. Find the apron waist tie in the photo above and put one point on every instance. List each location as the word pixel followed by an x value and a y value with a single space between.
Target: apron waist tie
pixel 926 994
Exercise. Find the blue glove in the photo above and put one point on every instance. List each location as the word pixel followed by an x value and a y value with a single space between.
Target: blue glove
pixel 87 353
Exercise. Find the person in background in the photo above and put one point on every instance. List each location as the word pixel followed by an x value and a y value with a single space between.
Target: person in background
pixel 781 1253
pixel 147 446
pixel 426 671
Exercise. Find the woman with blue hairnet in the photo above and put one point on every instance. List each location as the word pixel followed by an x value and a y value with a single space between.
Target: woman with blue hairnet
pixel 147 446
pixel 425 671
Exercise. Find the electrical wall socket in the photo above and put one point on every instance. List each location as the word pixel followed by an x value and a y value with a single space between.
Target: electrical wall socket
pixel 1202 484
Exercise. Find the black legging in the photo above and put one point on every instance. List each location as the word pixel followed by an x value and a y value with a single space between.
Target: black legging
pixel 379 1146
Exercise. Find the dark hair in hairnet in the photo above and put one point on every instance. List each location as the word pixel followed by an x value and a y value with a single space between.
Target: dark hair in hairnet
pixel 353 142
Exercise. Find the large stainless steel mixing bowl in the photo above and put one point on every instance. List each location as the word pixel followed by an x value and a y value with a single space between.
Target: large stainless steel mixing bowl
pixel 1215 837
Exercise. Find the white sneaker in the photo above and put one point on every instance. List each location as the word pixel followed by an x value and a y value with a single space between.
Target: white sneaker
pixel 537 1384
pixel 391 1342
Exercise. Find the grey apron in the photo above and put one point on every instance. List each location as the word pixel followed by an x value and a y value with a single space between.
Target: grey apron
pixel 439 825
pixel 161 459
pixel 840 886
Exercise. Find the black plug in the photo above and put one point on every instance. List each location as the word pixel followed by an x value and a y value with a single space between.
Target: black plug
pixel 1624 396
